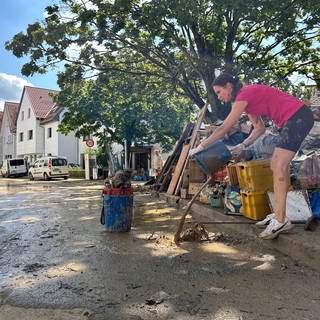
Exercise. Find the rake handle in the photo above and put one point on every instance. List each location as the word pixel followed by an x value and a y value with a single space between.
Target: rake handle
pixel 183 218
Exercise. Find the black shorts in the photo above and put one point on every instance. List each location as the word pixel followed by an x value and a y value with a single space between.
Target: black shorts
pixel 296 129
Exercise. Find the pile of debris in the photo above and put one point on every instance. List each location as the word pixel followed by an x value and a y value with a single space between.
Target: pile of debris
pixel 181 175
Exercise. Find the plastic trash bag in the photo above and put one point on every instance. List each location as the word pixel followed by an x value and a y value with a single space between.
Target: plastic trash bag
pixel 308 172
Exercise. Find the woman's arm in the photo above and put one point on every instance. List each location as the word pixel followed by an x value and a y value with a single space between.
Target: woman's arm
pixel 238 108
pixel 258 129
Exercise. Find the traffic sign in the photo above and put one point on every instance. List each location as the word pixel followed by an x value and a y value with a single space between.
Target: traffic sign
pixel 89 143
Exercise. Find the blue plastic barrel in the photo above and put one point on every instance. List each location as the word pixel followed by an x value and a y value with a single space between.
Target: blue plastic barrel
pixel 118 207
pixel 315 204
pixel 213 158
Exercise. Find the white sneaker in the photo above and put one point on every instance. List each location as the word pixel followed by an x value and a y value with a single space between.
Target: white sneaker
pixel 274 228
pixel 266 220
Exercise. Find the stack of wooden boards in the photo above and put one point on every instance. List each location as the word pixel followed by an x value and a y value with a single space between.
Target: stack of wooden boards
pixel 175 168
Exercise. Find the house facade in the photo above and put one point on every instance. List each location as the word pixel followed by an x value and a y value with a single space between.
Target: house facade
pixel 8 131
pixel 35 104
pixel 30 129
pixel 36 127
pixel 56 143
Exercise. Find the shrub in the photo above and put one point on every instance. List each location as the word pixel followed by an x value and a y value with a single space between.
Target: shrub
pixel 77 173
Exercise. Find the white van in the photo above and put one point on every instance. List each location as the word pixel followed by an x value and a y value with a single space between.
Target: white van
pixel 49 167
pixel 14 168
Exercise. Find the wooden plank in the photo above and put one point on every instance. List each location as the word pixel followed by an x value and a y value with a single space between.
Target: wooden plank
pixel 178 169
pixel 182 140
pixel 166 173
pixel 164 169
pixel 166 180
pixel 196 129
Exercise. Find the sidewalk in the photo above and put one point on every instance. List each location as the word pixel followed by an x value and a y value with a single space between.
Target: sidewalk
pixel 300 245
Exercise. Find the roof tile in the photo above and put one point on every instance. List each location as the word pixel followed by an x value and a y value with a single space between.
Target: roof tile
pixel 12 109
pixel 40 100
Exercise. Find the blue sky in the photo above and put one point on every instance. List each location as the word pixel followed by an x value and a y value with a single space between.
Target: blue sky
pixel 15 15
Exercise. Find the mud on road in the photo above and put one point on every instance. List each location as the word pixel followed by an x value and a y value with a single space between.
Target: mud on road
pixel 58 262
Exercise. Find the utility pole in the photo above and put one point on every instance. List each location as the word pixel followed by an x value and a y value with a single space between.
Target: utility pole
pixel 125 154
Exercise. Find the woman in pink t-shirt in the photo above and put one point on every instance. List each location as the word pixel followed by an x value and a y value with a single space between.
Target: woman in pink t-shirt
pixel 289 113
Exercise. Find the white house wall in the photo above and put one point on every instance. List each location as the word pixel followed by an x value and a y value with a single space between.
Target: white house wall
pixel 7 139
pixel 60 145
pixel 68 147
pixel 51 143
pixel 36 144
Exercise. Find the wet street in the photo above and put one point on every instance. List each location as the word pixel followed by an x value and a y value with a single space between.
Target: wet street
pixel 57 262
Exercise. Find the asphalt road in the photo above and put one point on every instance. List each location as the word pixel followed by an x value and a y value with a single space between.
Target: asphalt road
pixel 57 262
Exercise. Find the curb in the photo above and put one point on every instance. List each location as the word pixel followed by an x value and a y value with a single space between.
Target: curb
pixel 302 246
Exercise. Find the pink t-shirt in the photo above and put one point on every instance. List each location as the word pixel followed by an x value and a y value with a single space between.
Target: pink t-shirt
pixel 268 101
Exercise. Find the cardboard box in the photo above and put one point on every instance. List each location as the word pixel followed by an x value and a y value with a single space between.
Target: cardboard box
pixel 232 174
pixel 195 173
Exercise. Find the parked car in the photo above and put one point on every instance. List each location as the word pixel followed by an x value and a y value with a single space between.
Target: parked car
pixel 49 167
pixel 14 168
pixel 73 165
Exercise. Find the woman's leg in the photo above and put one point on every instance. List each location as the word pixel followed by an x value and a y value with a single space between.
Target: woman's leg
pixel 280 165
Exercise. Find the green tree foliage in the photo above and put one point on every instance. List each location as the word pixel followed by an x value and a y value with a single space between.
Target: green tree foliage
pixel 127 108
pixel 178 45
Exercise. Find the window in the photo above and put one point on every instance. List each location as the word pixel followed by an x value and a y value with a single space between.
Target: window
pixel 29 113
pixel 30 134
pixel 17 162
pixel 59 162
pixel 22 115
pixel 21 136
pixel 49 132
